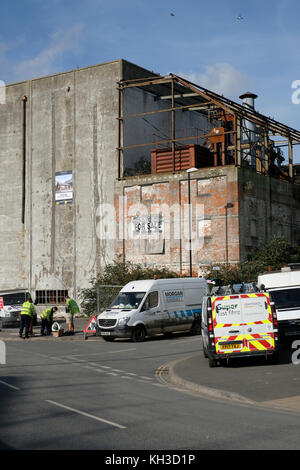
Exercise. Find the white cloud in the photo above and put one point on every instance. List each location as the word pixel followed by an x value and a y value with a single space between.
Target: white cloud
pixel 45 63
pixel 222 78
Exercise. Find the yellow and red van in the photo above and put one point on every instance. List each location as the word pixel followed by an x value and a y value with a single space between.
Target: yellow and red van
pixel 239 325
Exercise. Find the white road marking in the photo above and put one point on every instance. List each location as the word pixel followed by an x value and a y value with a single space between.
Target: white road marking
pixel 106 352
pixel 9 385
pixel 116 425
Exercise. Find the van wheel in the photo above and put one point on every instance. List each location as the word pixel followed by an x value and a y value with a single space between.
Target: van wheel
pixel 212 362
pixel 196 328
pixel 138 334
pixel 168 334
pixel 273 359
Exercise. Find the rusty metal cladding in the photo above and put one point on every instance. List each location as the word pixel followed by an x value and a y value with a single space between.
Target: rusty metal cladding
pixel 187 156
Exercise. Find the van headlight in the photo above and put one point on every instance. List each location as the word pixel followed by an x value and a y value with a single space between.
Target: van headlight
pixel 123 321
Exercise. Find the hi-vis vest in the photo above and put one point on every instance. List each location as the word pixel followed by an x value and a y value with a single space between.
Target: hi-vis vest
pixel 72 306
pixel 27 309
pixel 46 315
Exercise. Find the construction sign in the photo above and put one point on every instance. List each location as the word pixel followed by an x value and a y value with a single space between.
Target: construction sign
pixel 91 326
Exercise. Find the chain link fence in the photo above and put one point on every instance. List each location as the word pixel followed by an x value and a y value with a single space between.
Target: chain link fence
pixel 105 295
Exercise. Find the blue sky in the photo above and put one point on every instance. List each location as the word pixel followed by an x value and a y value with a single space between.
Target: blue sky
pixel 204 41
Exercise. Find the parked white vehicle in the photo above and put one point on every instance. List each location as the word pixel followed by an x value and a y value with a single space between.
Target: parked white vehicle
pixel 284 289
pixel 11 305
pixel 238 325
pixel 149 307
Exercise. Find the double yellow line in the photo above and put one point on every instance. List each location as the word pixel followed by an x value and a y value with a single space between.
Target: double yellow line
pixel 162 372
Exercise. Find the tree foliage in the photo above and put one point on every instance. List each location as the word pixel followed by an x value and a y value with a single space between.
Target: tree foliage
pixel 274 255
pixel 117 274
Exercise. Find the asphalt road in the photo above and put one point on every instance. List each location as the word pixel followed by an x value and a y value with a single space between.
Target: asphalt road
pixel 71 394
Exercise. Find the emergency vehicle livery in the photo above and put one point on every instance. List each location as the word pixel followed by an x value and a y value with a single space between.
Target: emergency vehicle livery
pixel 238 325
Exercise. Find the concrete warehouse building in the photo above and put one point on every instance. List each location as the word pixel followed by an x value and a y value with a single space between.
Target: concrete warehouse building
pixel 94 165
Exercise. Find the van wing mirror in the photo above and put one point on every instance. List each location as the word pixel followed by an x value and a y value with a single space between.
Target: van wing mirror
pixel 146 305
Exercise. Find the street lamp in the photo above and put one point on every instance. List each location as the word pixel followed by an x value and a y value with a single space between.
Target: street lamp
pixel 229 205
pixel 189 171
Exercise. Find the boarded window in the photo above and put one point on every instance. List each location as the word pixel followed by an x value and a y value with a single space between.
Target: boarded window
pixel 51 296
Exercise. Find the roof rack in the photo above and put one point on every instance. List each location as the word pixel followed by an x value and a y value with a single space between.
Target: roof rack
pixel 242 288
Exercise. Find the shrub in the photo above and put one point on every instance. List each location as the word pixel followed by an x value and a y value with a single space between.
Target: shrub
pixel 117 274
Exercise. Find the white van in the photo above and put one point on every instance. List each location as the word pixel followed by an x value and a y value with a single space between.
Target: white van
pixel 11 305
pixel 149 307
pixel 284 289
pixel 238 325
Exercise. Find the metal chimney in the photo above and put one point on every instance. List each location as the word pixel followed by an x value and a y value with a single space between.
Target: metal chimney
pixel 249 134
pixel 249 99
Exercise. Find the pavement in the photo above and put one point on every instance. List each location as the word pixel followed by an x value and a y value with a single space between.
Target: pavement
pixel 250 380
pixel 12 333
pixel 246 381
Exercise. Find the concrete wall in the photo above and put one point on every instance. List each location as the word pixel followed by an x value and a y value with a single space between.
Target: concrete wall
pixel 71 125
pixel 13 253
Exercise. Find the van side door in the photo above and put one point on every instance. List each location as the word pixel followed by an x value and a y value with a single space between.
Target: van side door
pixel 175 318
pixel 151 311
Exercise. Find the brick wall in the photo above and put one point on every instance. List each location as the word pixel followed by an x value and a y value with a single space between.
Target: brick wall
pixel 163 201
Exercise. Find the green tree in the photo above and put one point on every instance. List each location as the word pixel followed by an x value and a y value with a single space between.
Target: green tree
pixel 118 274
pixel 275 254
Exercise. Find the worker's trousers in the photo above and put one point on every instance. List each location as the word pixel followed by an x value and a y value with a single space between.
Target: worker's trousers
pixel 46 327
pixel 25 323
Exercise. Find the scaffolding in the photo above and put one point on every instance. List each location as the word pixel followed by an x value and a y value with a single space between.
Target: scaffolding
pixel 235 134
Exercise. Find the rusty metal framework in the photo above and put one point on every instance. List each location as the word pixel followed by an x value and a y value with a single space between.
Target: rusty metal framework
pixel 228 133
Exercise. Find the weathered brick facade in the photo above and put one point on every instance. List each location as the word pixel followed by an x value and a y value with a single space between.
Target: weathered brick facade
pixel 220 234
pixel 210 191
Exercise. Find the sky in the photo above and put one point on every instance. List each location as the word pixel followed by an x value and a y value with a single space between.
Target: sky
pixel 228 46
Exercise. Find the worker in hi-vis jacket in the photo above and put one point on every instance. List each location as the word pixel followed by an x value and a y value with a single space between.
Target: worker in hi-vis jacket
pixel 71 309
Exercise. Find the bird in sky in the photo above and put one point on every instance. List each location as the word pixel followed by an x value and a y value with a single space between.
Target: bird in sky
pixel 240 17
pixel 172 14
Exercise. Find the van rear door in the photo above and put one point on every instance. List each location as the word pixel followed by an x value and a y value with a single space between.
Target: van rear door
pixel 247 323
pixel 228 325
pixel 257 315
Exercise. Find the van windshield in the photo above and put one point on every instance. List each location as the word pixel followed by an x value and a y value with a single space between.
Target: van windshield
pixel 286 298
pixel 14 298
pixel 128 300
